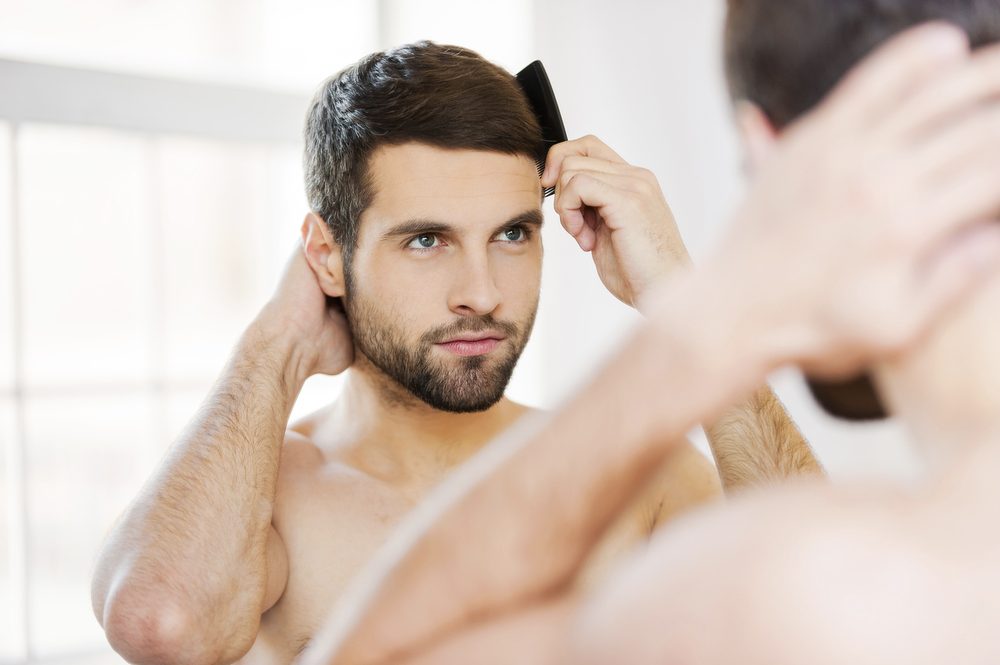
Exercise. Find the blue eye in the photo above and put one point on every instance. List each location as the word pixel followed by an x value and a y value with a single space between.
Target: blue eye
pixel 513 234
pixel 424 241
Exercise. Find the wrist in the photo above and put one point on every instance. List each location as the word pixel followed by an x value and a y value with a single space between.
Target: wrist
pixel 273 339
pixel 672 264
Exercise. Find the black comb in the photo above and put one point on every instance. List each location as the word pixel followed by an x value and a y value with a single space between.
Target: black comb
pixel 535 83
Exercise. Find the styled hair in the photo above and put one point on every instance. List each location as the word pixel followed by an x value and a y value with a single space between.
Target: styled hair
pixel 786 55
pixel 444 96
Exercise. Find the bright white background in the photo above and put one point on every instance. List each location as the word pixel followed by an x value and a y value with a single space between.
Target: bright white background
pixel 131 260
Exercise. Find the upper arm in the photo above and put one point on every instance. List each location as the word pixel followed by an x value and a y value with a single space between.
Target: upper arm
pixel 277 569
pixel 297 452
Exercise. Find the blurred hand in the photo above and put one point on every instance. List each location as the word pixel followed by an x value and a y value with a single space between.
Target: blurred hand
pixel 617 212
pixel 876 212
pixel 311 321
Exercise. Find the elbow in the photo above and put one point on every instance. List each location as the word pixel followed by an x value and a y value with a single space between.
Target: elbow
pixel 147 629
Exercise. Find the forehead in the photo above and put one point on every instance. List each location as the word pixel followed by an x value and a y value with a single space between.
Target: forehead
pixel 414 180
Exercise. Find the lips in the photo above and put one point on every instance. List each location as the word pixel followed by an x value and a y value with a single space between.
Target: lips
pixel 473 344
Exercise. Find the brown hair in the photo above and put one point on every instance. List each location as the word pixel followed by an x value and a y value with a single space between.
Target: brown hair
pixel 786 55
pixel 445 96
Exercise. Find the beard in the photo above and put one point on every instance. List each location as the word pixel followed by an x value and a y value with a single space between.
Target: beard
pixel 456 384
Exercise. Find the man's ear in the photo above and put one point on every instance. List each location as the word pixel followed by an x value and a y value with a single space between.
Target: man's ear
pixel 757 134
pixel 324 255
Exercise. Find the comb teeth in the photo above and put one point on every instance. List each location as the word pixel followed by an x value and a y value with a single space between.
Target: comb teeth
pixel 547 191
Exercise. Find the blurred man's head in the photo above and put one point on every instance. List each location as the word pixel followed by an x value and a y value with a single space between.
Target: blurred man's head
pixel 420 163
pixel 782 57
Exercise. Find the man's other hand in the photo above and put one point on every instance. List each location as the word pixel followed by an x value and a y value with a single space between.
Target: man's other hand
pixel 301 314
pixel 874 214
pixel 617 212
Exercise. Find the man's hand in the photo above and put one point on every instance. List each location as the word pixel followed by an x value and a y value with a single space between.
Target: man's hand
pixel 876 212
pixel 301 313
pixel 617 212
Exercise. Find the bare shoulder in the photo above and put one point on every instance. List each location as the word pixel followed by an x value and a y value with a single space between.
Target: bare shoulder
pixel 686 479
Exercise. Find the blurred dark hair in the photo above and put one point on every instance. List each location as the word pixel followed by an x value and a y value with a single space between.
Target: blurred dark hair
pixel 786 55
pixel 445 96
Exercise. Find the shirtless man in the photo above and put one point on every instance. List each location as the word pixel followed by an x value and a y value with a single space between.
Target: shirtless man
pixel 425 227
pixel 894 266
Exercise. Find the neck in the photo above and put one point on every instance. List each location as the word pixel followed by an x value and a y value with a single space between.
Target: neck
pixel 399 438
pixel 948 390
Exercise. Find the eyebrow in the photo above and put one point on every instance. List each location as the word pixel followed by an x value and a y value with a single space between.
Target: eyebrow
pixel 417 226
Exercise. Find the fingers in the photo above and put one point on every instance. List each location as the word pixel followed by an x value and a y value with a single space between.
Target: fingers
pixel 960 89
pixel 877 85
pixel 583 191
pixel 587 146
pixel 972 144
pixel 963 201
pixel 630 178
pixel 960 176
pixel 969 258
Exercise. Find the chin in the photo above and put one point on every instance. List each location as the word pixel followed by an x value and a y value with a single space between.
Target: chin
pixel 465 406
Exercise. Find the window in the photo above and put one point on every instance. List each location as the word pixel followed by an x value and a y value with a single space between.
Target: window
pixel 136 242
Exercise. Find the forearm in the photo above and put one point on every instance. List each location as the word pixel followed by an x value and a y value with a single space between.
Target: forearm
pixel 517 522
pixel 193 542
pixel 756 442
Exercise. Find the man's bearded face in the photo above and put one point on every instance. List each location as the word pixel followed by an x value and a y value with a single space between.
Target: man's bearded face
pixel 443 286
pixel 436 375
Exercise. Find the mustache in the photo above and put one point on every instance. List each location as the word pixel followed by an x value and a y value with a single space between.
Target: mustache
pixel 470 324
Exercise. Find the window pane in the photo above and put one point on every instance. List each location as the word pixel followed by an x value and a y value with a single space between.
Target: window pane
pixel 86 459
pixel 86 248
pixel 230 213
pixel 6 266
pixel 283 44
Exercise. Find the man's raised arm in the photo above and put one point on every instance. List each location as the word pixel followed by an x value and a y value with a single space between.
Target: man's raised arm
pixel 194 561
pixel 618 213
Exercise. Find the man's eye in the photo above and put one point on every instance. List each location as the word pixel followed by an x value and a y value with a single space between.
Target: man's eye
pixel 513 234
pixel 424 241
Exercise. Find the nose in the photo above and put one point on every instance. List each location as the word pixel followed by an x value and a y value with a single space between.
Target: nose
pixel 474 291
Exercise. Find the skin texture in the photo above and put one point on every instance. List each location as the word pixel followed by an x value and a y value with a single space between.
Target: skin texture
pixel 773 578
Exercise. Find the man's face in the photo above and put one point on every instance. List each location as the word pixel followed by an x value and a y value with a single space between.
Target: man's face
pixel 444 284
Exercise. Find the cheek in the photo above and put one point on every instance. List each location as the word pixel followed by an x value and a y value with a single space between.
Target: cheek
pixel 409 293
pixel 519 278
